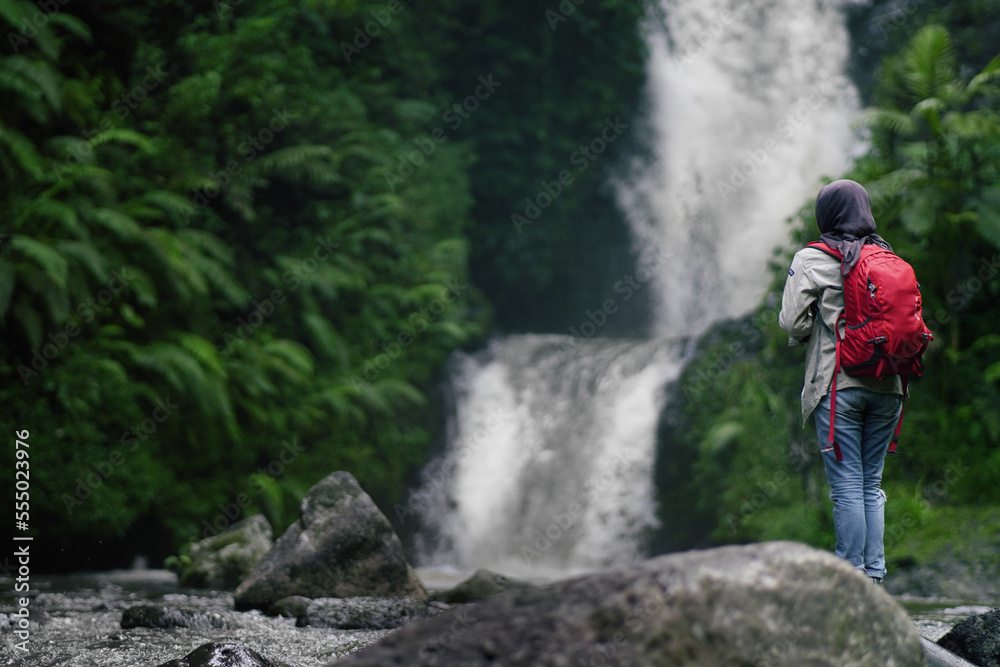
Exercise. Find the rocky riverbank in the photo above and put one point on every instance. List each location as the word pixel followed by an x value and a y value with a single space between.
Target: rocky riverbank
pixel 336 589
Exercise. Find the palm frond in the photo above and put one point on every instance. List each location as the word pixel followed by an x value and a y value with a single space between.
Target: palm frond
pixel 930 61
pixel 891 119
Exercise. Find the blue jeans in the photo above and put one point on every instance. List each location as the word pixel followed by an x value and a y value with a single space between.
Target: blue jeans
pixel 864 425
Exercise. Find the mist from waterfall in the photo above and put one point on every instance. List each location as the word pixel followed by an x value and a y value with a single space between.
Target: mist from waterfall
pixel 552 441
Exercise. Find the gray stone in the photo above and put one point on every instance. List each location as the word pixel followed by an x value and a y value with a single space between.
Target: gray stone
pixel 294 606
pixel 343 546
pixel 226 559
pixel 481 585
pixel 365 613
pixel 216 654
pixel 776 603
pixel 158 616
pixel 976 639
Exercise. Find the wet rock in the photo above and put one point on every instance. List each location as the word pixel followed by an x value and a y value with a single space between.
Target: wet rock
pixel 226 559
pixel 343 546
pixel 224 655
pixel 156 616
pixel 365 613
pixel 294 606
pixel 482 584
pixel 939 657
pixel 776 603
pixel 976 639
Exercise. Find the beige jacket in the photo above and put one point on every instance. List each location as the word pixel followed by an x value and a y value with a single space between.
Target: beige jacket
pixel 814 284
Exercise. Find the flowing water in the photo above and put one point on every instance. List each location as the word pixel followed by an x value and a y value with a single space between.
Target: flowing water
pixel 748 109
pixel 75 621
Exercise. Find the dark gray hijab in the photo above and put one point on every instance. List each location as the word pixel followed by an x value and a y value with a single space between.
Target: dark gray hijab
pixel 844 216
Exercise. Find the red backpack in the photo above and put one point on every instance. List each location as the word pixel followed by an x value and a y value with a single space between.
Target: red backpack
pixel 885 332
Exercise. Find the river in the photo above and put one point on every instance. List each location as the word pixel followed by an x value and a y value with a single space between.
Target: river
pixel 75 621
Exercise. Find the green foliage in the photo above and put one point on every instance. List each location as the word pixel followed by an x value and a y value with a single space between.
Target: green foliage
pixel 211 294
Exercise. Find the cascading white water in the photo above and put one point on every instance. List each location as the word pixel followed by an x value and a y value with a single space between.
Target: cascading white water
pixel 551 448
pixel 549 464
pixel 749 108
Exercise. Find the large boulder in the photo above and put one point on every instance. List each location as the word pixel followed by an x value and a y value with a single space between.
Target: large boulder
pixel 226 559
pixel 777 603
pixel 976 639
pixel 342 547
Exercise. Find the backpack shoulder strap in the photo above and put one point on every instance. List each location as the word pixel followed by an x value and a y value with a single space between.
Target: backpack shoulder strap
pixel 822 247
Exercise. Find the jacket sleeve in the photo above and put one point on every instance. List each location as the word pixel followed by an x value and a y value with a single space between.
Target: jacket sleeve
pixel 798 303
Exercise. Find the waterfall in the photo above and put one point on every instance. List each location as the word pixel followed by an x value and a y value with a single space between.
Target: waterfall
pixel 749 108
pixel 552 442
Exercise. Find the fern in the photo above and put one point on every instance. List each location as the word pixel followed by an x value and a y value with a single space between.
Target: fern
pixel 121 225
pixel 60 212
pixel 53 264
pixel 326 338
pixel 55 297
pixel 21 150
pixel 202 350
pixel 294 354
pixel 175 206
pixel 40 75
pixel 87 256
pixel 31 322
pixel 123 136
pixel 72 25
pixel 7 282
pixel 314 164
